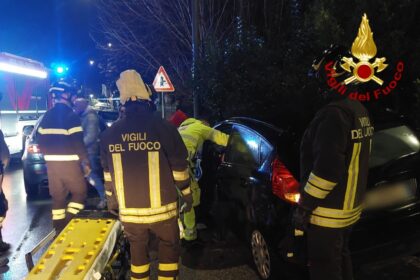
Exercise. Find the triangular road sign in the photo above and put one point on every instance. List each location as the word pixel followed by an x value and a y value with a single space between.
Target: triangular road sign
pixel 162 83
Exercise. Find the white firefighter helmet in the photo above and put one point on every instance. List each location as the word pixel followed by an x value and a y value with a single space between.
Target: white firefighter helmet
pixel 132 87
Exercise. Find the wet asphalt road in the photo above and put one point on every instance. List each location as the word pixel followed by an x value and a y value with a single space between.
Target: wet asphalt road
pixel 27 222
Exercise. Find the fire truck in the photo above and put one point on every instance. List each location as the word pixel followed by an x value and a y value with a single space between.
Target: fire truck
pixel 24 89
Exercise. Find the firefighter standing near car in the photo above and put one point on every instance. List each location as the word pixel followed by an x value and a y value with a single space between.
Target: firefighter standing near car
pixel 60 137
pixel 145 161
pixel 334 159
pixel 194 132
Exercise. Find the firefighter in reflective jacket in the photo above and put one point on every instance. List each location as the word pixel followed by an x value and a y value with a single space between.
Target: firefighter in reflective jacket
pixel 145 161
pixel 60 139
pixel 335 152
pixel 194 132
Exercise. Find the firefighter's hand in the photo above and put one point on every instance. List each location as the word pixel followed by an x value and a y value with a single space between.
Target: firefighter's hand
pixel 86 168
pixel 112 205
pixel 301 218
pixel 187 203
pixel 114 212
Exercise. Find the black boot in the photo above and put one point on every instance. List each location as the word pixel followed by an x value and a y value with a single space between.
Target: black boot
pixel 3 261
pixel 4 247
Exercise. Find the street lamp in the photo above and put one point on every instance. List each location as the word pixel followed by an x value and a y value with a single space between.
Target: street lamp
pixel 91 62
pixel 109 45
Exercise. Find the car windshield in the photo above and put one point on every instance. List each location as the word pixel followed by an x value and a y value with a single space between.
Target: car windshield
pixel 393 143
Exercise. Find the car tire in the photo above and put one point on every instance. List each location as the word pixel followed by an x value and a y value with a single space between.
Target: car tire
pixel 32 190
pixel 264 259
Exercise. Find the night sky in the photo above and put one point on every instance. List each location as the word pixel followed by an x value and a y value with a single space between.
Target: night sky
pixel 48 31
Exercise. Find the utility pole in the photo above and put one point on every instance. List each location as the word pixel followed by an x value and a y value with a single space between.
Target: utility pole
pixel 195 50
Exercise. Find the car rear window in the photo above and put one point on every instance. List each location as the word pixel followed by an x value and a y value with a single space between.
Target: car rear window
pixel 243 147
pixel 265 150
pixel 392 143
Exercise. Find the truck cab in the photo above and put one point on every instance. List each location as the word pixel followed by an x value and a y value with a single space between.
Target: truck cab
pixel 24 89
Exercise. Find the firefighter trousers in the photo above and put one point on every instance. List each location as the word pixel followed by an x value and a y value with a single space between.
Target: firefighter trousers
pixel 190 231
pixel 328 253
pixel 167 233
pixel 64 178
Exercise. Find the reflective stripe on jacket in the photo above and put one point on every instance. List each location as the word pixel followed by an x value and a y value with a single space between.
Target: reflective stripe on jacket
pixel 334 163
pixel 143 161
pixel 60 135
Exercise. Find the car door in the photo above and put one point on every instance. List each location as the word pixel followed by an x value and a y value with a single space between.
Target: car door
pixel 211 159
pixel 237 169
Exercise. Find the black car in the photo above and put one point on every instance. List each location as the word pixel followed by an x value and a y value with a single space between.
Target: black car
pixel 34 167
pixel 256 186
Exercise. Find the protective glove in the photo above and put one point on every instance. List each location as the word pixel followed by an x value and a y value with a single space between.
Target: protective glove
pixel 114 212
pixel 186 203
pixel 301 218
pixel 111 204
pixel 111 200
pixel 86 168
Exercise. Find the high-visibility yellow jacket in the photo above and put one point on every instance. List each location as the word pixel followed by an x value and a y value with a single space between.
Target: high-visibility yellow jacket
pixel 144 158
pixel 194 132
pixel 334 163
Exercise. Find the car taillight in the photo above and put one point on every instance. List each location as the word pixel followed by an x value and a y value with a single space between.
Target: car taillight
pixel 284 184
pixel 33 149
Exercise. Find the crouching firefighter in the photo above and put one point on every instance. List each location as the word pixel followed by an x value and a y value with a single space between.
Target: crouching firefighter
pixel 145 161
pixel 334 169
pixel 194 132
pixel 60 137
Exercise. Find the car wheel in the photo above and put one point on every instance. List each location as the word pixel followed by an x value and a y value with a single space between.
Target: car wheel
pixel 261 255
pixel 32 190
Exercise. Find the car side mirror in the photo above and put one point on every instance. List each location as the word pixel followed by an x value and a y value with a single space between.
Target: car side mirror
pixel 27 130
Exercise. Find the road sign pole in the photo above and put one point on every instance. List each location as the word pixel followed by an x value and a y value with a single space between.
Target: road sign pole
pixel 162 101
